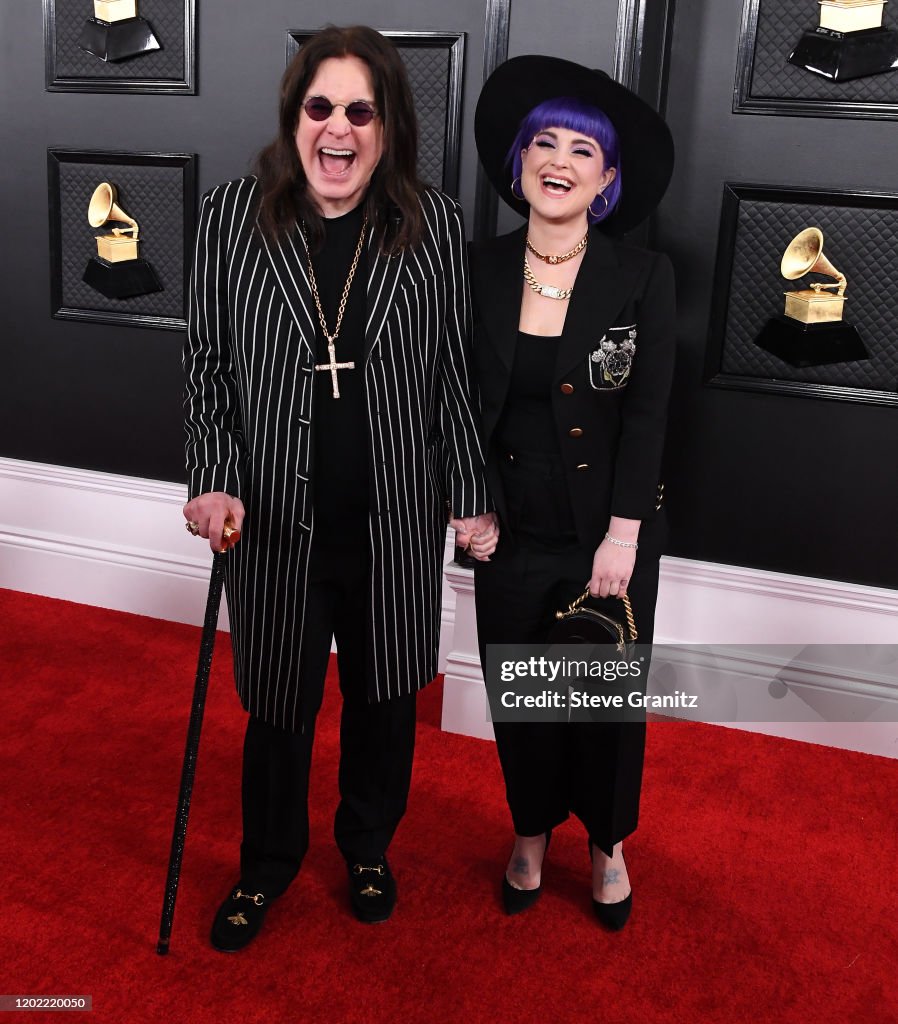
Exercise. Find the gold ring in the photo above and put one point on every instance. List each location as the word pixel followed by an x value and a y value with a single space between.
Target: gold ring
pixel 193 527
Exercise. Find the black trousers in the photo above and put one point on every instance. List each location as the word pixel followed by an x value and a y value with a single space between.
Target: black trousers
pixel 377 741
pixel 553 769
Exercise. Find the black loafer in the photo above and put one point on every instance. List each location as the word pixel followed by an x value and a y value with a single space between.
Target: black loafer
pixel 372 890
pixel 239 920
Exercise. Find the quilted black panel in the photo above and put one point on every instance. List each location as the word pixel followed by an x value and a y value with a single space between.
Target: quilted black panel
pixel 860 243
pixel 154 197
pixel 781 23
pixel 428 72
pixel 167 20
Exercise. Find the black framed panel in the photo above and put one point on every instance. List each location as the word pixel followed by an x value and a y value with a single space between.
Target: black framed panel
pixel 435 63
pixel 757 224
pixel 159 191
pixel 495 52
pixel 766 83
pixel 169 69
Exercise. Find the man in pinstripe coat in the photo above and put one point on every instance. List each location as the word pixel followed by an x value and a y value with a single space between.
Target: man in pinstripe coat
pixel 329 412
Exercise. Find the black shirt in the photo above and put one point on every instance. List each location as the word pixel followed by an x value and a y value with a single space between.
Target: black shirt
pixel 527 422
pixel 341 489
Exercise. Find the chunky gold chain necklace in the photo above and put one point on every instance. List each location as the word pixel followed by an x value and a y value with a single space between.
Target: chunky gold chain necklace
pixel 333 365
pixel 548 290
pixel 578 248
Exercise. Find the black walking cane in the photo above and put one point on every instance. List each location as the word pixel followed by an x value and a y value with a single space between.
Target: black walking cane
pixel 207 645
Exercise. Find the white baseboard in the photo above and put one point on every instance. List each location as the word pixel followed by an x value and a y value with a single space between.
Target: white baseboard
pixel 119 542
pixel 772 625
pixel 112 542
pixel 99 539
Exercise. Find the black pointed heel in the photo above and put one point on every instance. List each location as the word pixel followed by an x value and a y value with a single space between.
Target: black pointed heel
pixel 517 900
pixel 612 915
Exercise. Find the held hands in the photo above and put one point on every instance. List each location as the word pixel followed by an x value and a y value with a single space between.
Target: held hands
pixel 479 533
pixel 209 512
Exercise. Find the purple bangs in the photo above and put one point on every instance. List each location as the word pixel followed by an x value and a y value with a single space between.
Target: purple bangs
pixel 577 116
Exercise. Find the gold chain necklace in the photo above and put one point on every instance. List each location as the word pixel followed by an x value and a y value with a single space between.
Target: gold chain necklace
pixel 333 365
pixel 548 290
pixel 578 248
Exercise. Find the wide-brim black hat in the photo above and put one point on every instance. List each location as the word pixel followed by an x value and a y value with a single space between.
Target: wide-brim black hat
pixel 522 83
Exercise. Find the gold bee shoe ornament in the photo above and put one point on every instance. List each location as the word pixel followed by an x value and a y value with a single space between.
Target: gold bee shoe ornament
pixel 372 899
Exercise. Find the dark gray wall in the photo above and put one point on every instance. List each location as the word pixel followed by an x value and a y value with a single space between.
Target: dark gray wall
pixel 797 485
pixel 793 484
pixel 108 398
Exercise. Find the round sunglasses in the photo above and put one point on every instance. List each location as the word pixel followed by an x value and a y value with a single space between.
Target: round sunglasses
pixel 358 113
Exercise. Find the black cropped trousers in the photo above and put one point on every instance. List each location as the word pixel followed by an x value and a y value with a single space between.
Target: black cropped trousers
pixel 592 770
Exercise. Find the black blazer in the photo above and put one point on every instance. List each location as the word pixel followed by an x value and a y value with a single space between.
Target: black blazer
pixel 612 376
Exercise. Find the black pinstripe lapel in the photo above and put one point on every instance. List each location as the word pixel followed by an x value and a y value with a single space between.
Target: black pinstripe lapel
pixel 288 262
pixel 383 276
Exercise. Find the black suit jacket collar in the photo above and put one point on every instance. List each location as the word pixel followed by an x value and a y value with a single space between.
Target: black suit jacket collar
pixel 604 283
pixel 287 258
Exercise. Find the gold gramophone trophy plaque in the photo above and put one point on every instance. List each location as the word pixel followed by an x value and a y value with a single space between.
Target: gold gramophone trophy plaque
pixel 850 41
pixel 811 331
pixel 116 32
pixel 117 271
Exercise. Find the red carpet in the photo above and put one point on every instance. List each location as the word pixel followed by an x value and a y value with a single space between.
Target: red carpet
pixel 764 870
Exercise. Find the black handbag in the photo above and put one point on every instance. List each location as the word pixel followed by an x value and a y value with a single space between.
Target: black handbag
pixel 583 624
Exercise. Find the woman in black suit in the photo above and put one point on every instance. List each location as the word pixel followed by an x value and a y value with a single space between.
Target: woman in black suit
pixel 574 362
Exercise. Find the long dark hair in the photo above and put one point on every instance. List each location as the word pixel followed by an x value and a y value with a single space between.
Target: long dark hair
pixel 392 202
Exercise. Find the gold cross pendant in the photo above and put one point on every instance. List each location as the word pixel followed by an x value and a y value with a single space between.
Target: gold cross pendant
pixel 333 366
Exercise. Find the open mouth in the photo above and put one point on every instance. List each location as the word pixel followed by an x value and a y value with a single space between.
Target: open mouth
pixel 556 186
pixel 335 161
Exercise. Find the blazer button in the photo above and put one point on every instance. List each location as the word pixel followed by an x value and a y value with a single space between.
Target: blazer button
pixel 567 389
pixel 575 432
pixel 583 465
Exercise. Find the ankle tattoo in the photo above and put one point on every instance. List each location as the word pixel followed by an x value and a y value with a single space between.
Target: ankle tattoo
pixel 521 866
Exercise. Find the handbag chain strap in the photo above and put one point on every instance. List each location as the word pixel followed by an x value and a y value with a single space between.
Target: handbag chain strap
pixel 577 603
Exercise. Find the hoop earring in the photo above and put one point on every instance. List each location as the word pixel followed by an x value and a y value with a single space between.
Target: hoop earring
pixel 521 196
pixel 602 213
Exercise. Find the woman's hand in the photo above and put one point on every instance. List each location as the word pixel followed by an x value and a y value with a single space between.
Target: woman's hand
pixel 480 534
pixel 210 511
pixel 612 568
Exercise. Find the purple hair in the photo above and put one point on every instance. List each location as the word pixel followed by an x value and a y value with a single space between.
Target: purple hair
pixel 577 116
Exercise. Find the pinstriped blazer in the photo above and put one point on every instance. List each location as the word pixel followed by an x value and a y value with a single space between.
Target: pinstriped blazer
pixel 249 358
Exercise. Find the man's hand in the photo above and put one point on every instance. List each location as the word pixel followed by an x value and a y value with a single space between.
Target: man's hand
pixel 480 534
pixel 210 511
